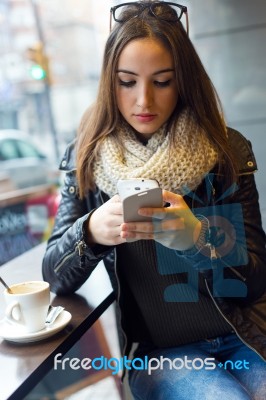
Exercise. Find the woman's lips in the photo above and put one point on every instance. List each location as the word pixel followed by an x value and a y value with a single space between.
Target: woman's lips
pixel 145 117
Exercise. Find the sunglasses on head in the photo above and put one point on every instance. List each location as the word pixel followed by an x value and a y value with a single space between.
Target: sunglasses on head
pixel 163 10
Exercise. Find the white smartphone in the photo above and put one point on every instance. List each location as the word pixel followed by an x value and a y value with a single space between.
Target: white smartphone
pixel 128 187
pixel 138 193
pixel 147 198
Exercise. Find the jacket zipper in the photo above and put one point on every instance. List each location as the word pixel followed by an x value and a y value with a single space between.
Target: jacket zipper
pixel 63 261
pixel 235 330
pixel 80 246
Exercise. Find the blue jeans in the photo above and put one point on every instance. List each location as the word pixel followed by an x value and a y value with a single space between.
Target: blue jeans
pixel 218 369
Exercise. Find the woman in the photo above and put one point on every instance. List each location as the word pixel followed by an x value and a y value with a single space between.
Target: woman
pixel 190 283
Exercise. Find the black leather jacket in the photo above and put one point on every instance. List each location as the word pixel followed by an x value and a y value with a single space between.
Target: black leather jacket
pixel 69 261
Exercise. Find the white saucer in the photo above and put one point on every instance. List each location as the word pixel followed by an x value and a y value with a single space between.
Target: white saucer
pixel 14 334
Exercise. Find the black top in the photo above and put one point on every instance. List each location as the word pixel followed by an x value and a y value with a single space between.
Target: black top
pixel 165 298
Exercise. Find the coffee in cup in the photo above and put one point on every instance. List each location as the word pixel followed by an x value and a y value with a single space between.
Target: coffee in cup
pixel 27 305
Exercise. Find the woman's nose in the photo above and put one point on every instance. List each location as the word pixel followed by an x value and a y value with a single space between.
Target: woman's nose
pixel 145 97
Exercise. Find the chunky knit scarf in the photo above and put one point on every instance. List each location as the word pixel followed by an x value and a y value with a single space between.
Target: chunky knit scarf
pixel 179 170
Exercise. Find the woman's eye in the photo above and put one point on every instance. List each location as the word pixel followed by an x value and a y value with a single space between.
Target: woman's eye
pixel 126 83
pixel 162 83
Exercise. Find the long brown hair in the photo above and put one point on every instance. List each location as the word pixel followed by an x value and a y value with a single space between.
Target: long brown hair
pixel 195 93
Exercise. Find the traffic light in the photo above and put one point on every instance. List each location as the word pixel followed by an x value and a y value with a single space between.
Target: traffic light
pixel 37 72
pixel 40 63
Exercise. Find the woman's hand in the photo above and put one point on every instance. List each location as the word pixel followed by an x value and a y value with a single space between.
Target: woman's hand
pixel 175 227
pixel 104 225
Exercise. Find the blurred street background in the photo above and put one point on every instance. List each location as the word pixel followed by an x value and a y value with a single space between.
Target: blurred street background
pixel 49 46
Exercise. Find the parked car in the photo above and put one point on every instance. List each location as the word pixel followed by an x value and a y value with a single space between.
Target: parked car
pixel 22 162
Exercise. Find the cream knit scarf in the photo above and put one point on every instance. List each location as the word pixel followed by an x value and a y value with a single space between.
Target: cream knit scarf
pixel 180 170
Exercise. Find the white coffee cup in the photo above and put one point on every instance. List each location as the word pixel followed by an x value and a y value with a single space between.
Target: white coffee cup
pixel 27 305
